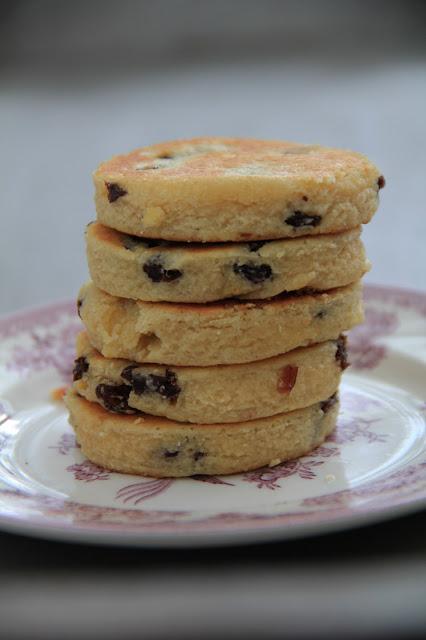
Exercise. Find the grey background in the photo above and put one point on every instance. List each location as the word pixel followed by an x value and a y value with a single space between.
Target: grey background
pixel 81 81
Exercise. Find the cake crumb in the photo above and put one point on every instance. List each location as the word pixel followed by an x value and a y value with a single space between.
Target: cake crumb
pixel 274 462
pixel 57 395
pixel 330 477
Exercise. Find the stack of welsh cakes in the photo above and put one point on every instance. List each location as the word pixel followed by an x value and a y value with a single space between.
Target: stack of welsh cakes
pixel 224 272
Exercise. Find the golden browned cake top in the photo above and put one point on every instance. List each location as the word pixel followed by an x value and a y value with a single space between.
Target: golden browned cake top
pixel 235 189
pixel 214 157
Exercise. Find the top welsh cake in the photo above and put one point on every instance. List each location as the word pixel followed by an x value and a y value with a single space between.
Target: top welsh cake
pixel 235 189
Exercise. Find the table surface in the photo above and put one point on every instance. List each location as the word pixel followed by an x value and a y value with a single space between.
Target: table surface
pixel 367 582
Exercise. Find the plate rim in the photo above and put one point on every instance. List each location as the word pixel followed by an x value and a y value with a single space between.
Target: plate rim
pixel 208 538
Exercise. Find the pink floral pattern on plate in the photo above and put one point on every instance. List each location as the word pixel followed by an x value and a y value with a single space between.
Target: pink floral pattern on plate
pixel 88 472
pixel 293 494
pixel 400 480
pixel 66 443
pixel 357 428
pixel 365 352
pixel 139 491
pixel 48 349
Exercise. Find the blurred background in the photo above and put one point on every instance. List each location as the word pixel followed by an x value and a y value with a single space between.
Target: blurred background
pixel 81 81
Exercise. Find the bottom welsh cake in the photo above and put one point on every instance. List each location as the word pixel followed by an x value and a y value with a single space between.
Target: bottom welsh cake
pixel 159 447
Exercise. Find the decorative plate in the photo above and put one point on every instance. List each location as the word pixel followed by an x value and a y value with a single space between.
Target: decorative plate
pixel 373 467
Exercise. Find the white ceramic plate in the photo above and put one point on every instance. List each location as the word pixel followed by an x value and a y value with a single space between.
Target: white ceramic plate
pixel 372 468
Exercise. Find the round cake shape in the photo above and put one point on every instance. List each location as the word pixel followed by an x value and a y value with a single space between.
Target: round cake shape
pixel 151 270
pixel 158 447
pixel 214 189
pixel 228 332
pixel 205 395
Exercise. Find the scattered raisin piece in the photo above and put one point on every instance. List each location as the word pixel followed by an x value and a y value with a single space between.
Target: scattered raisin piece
pixel 256 245
pixel 114 191
pixel 166 386
pixel 137 381
pixel 305 198
pixel 115 397
pixel 326 405
pixel 171 454
pixel 342 352
pixel 300 219
pixel 321 314
pixel 253 272
pixel 127 373
pixel 381 182
pixel 198 455
pixel 81 365
pixel 157 273
pixel 287 378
